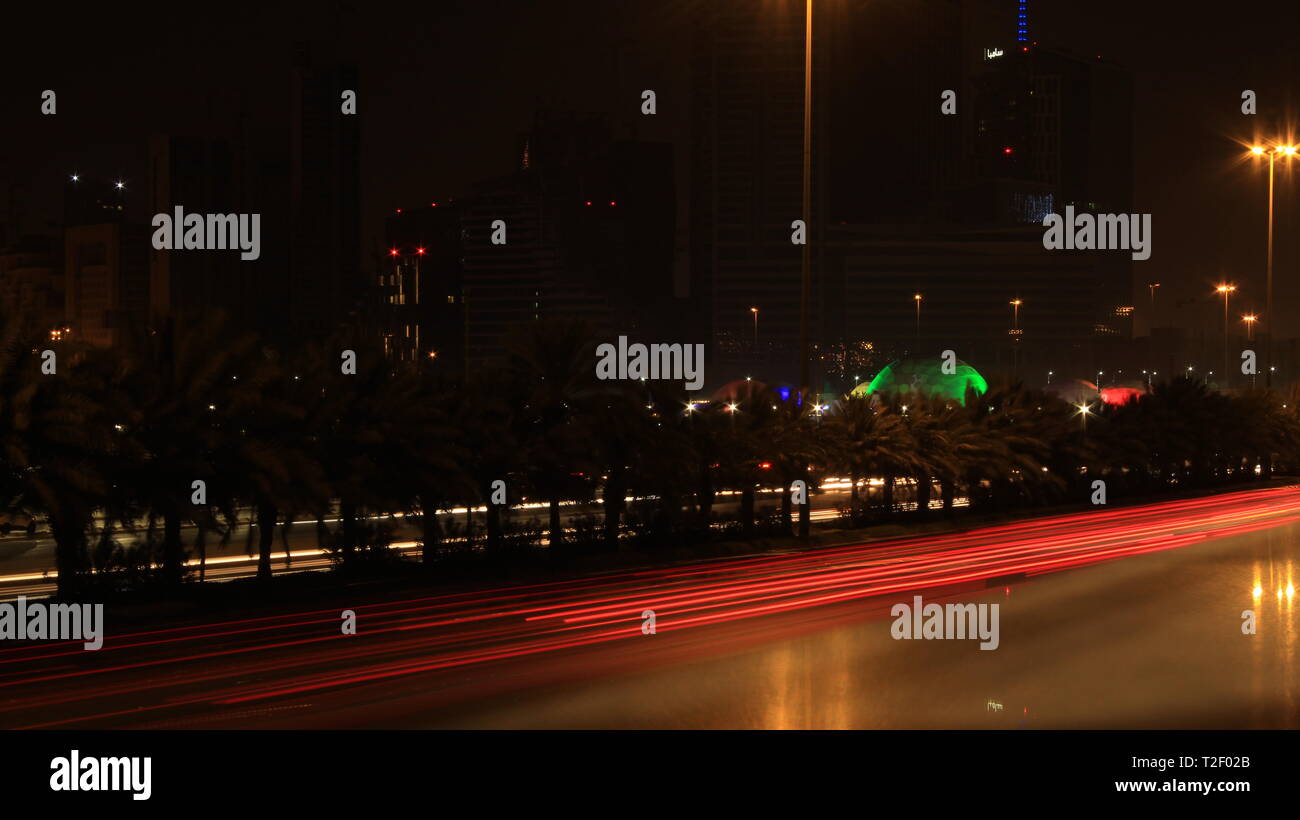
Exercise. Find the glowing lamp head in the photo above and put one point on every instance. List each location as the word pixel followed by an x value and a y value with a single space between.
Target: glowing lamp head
pixel 1257 150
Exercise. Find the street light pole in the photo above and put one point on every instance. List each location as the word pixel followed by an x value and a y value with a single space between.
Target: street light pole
pixel 1286 151
pixel 1249 319
pixel 1015 335
pixel 1268 299
pixel 754 311
pixel 917 299
pixel 806 262
pixel 1225 290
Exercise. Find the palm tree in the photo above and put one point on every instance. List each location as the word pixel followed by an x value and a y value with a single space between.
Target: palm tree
pixel 483 419
pixel 863 437
pixel 1180 412
pixel 1015 433
pixel 621 429
pixel 266 453
pixel 793 444
pixel 664 462
pixel 899 455
pixel 423 454
pixel 57 445
pixel 704 431
pixel 943 431
pixel 179 376
pixel 744 451
pixel 552 373
pixel 350 419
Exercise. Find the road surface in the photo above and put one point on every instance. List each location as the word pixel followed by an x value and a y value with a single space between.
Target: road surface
pixel 1118 618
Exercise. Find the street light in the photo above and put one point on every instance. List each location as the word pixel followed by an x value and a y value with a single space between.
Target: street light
pixel 1151 286
pixel 1250 320
pixel 754 311
pixel 1273 153
pixel 917 298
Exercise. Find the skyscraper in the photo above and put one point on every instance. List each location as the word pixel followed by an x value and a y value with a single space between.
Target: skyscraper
pixel 908 195
pixel 746 178
pixel 325 281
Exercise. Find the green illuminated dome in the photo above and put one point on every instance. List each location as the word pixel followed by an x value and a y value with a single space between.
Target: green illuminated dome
pixel 925 377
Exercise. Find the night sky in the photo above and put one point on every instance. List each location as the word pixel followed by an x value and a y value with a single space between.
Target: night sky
pixel 448 86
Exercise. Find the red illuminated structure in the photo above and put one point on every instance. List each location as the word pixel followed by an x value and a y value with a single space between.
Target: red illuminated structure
pixel 1121 395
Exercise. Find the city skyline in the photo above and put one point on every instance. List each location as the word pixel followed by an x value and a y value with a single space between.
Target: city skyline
pixel 1196 137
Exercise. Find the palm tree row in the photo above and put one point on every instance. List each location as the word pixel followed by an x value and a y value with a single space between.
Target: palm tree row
pixel 191 424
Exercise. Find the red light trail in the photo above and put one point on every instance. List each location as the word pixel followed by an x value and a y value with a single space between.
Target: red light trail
pixel 217 665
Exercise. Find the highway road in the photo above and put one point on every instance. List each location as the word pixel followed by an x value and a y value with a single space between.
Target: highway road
pixel 1114 618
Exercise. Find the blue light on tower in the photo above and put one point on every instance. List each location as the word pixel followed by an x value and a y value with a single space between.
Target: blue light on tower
pixel 1022 21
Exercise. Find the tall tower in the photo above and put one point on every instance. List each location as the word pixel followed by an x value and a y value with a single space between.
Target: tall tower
pixel 325 280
